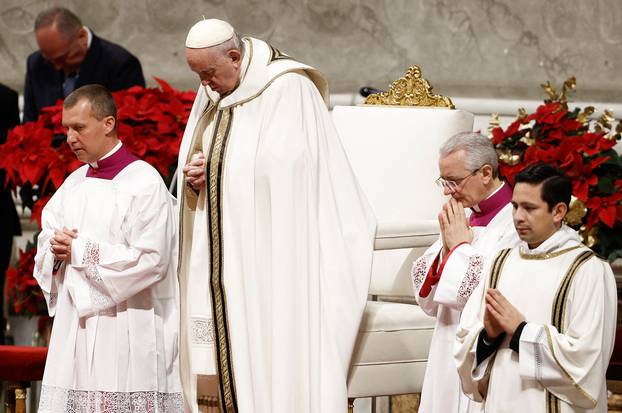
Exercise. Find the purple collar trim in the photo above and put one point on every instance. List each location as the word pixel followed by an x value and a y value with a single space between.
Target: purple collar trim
pixel 109 167
pixel 491 206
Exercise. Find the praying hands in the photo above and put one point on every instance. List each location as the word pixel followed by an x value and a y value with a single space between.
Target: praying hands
pixel 500 315
pixel 194 171
pixel 454 225
pixel 61 243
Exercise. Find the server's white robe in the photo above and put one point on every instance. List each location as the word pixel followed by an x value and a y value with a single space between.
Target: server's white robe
pixel 460 275
pixel 114 343
pixel 276 249
pixel 558 368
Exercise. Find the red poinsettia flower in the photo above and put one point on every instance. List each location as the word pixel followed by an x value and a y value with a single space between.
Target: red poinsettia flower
pixel 498 134
pixel 21 288
pixel 558 138
pixel 550 113
pixel 593 143
pixel 37 209
pixel 603 209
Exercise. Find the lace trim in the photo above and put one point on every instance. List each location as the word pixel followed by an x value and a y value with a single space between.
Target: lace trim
pixel 202 331
pixel 418 272
pixel 99 296
pixel 56 399
pixel 471 279
pixel 53 299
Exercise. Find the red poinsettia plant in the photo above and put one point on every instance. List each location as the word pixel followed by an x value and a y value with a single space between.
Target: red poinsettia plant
pixel 583 147
pixel 151 122
pixel 21 288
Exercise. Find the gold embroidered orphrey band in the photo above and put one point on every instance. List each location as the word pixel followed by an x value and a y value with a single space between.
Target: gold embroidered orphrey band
pixel 185 191
pixel 546 255
pixel 215 174
pixel 497 266
pixel 558 317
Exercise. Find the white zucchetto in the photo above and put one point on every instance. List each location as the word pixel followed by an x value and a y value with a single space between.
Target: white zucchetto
pixel 208 33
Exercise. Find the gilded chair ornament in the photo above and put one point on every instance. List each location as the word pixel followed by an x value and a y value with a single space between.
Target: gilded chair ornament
pixel 410 90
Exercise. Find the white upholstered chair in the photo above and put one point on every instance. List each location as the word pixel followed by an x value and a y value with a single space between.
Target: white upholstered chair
pixel 394 153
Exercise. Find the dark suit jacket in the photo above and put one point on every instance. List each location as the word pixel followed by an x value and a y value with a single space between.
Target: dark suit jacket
pixel 9 117
pixel 105 63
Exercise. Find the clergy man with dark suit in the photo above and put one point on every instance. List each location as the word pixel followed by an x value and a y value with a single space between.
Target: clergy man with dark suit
pixel 70 55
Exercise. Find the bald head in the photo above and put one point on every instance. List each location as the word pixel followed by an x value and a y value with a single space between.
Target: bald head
pixel 62 39
pixel 65 22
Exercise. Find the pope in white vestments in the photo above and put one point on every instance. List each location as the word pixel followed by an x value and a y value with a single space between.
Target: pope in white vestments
pixel 444 280
pixel 276 242
pixel 538 333
pixel 105 262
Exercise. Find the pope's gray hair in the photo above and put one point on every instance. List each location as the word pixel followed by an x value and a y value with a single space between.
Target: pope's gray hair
pixel 234 43
pixel 478 150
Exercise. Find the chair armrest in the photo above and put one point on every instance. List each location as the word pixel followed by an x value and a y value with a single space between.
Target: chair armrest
pixel 419 233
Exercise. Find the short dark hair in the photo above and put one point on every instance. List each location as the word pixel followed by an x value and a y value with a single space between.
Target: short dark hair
pixel 556 186
pixel 67 23
pixel 100 98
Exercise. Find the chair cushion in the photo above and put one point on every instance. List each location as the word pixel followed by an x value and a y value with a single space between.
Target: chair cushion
pixel 391 351
pixel 386 379
pixel 393 333
pixel 419 233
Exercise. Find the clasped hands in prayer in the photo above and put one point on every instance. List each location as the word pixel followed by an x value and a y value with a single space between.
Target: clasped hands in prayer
pixel 194 171
pixel 500 316
pixel 454 226
pixel 61 243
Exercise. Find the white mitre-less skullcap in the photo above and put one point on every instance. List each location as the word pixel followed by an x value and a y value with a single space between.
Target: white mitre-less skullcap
pixel 208 33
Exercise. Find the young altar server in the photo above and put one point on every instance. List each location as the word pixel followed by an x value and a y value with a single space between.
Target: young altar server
pixel 105 265
pixel 537 335
pixel 446 274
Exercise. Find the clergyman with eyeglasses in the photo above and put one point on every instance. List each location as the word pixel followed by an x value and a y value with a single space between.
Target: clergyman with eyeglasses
pixel 447 273
pixel 70 55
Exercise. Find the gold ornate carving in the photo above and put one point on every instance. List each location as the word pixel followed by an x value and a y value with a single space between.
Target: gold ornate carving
pixel 410 90
pixel 576 212
pixel 494 122
pixel 561 97
pixel 508 157
pixel 590 238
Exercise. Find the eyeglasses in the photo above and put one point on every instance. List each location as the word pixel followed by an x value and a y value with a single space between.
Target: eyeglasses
pixel 454 184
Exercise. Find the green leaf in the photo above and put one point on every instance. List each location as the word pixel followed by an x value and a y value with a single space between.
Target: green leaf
pixel 606 185
pixel 614 255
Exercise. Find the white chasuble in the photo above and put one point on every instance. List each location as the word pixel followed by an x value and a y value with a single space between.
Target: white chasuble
pixel 442 287
pixel 276 249
pixel 568 298
pixel 114 343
